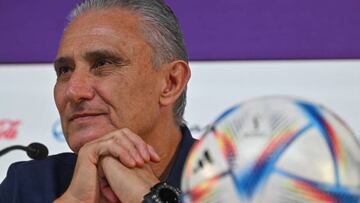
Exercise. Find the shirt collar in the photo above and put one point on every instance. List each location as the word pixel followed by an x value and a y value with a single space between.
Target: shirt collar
pixel 174 177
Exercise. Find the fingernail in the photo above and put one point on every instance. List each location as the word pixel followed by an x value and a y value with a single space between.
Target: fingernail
pixel 139 161
pixel 145 154
pixel 153 153
pixel 132 162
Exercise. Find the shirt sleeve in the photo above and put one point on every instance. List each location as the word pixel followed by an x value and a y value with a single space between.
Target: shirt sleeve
pixel 9 186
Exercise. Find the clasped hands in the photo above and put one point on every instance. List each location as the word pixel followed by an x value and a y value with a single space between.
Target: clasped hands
pixel 113 168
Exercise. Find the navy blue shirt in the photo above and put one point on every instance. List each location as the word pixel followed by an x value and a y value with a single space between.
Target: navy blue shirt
pixel 46 180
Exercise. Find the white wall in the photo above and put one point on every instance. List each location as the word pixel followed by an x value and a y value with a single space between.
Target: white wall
pixel 216 86
pixel 26 95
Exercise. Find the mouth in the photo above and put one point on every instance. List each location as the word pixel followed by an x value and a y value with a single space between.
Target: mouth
pixel 84 116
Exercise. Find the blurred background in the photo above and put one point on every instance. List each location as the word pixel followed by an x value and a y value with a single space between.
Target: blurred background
pixel 239 50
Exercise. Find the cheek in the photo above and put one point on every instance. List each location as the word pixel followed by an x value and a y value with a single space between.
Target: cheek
pixel 128 98
pixel 145 98
pixel 59 97
pixel 114 96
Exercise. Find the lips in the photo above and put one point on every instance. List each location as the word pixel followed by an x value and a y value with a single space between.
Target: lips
pixel 82 116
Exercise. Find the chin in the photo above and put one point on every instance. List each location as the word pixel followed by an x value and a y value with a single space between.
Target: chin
pixel 77 140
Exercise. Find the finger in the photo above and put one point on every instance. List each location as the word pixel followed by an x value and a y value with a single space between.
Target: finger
pixel 124 142
pixel 132 142
pixel 139 143
pixel 107 192
pixel 154 156
pixel 109 147
pixel 113 148
pixel 100 171
pixel 107 195
pixel 138 180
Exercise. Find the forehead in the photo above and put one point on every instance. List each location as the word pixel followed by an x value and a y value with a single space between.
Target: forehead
pixel 115 18
pixel 108 26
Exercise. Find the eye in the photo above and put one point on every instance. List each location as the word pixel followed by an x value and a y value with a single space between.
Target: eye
pixel 102 62
pixel 62 70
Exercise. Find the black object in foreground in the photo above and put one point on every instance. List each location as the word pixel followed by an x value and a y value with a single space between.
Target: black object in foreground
pixel 35 150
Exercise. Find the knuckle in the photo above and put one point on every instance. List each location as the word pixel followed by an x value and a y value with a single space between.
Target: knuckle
pixel 126 130
pixel 82 150
pixel 117 140
pixel 85 148
pixel 114 138
pixel 117 133
pixel 122 131
pixel 142 145
pixel 123 152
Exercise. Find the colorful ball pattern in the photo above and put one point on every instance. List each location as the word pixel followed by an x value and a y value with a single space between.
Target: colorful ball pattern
pixel 274 149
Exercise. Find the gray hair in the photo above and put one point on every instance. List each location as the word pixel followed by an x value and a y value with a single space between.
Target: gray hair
pixel 166 38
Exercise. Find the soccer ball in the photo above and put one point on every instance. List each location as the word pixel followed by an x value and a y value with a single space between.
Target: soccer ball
pixel 274 149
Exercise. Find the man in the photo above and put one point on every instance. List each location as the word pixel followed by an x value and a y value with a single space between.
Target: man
pixel 122 72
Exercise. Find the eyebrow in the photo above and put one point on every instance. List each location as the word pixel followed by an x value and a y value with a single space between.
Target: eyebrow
pixel 103 54
pixel 89 56
pixel 63 61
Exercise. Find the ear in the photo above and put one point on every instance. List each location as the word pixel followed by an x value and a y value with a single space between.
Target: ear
pixel 176 77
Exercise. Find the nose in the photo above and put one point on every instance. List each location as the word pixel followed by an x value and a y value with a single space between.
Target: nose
pixel 80 87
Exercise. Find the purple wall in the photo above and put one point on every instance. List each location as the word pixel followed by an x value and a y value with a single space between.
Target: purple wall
pixel 214 30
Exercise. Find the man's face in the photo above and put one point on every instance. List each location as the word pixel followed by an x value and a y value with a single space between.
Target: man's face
pixel 105 77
